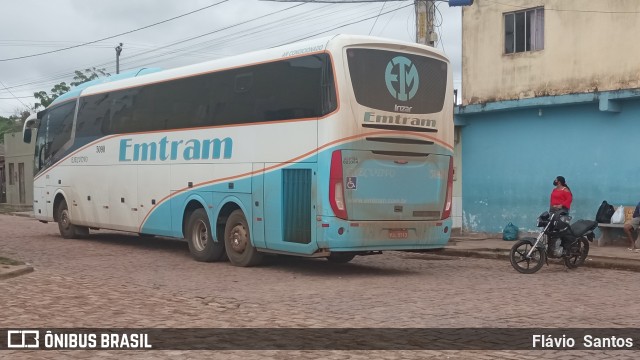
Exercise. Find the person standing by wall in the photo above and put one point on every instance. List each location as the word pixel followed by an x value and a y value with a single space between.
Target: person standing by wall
pixel 561 196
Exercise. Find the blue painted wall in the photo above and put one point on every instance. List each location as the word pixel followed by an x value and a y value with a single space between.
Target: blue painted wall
pixel 511 157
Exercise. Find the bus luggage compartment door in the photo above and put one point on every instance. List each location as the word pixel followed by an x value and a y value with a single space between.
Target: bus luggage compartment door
pixel 381 185
pixel 290 208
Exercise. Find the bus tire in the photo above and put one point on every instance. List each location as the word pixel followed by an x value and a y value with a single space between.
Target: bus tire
pixel 237 241
pixel 66 228
pixel 200 238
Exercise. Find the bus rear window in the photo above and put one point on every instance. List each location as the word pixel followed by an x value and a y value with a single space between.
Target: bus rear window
pixel 394 81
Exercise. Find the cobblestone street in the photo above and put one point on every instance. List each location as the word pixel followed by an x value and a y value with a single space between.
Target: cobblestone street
pixel 120 280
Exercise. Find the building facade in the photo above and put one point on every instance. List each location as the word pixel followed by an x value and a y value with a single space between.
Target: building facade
pixel 18 164
pixel 550 88
pixel 3 188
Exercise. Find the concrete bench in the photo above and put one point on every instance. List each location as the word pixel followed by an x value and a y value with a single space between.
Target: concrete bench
pixel 605 233
pixel 606 229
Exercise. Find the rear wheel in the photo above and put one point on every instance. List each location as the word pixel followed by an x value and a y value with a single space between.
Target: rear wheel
pixel 524 263
pixel 66 228
pixel 199 236
pixel 237 241
pixel 578 253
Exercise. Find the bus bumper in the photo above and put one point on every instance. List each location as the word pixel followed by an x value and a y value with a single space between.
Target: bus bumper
pixel 341 235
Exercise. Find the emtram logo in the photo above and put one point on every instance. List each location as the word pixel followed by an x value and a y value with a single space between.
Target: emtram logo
pixel 401 77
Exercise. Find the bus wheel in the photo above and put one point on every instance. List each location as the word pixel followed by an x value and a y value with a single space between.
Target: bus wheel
pixel 199 236
pixel 237 241
pixel 340 258
pixel 68 230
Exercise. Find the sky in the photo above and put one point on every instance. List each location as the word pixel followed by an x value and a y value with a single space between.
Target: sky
pixel 223 28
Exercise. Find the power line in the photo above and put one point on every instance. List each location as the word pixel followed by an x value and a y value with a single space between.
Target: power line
pixel 215 31
pixel 387 24
pixel 262 30
pixel 245 36
pixel 377 17
pixel 111 37
pixel 16 97
pixel 438 26
pixel 1 83
pixel 341 26
pixel 64 75
pixel 156 57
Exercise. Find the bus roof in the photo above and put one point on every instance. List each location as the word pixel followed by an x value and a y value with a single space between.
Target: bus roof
pixel 76 91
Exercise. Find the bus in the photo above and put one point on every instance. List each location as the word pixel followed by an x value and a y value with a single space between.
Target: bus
pixel 333 147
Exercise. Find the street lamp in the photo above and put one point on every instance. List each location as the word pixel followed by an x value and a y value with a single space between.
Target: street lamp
pixel 118 51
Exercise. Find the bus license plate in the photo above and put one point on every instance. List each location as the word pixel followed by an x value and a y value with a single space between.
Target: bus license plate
pixel 398 234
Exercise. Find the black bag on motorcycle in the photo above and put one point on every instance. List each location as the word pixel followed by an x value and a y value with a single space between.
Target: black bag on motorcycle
pixel 605 212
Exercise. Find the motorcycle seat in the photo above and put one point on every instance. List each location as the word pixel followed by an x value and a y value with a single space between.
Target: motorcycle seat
pixel 581 227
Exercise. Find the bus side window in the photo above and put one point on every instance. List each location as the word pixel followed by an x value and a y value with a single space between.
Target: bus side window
pixel 93 116
pixel 105 122
pixel 243 82
pixel 122 112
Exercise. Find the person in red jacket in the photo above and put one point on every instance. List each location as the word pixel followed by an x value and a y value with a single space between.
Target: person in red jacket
pixel 561 196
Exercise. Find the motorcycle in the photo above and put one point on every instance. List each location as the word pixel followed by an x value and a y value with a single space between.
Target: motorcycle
pixel 558 240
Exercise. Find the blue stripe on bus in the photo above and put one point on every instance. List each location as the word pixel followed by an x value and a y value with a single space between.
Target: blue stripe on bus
pixel 166 219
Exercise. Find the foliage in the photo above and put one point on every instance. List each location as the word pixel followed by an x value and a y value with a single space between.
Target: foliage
pixel 81 77
pixel 12 124
pixel 88 75
pixel 46 99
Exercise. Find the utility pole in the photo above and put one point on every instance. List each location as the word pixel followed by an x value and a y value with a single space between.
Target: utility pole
pixel 118 51
pixel 425 13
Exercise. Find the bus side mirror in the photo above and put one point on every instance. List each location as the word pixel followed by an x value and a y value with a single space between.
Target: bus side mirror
pixel 29 123
pixel 26 135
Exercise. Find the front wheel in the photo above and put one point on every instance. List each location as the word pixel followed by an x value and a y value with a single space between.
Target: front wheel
pixel 66 228
pixel 522 262
pixel 578 253
pixel 237 241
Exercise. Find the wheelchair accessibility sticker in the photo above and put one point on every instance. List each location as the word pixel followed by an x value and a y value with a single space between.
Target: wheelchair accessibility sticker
pixel 352 183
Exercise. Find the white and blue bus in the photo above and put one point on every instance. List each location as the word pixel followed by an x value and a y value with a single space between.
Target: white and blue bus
pixel 333 147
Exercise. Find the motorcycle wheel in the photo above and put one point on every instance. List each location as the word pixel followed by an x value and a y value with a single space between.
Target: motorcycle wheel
pixel 519 260
pixel 578 253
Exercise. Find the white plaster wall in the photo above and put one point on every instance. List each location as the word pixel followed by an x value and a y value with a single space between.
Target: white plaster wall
pixel 591 46
pixel 16 151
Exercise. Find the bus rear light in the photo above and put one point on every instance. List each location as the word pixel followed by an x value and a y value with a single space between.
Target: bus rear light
pixel 336 186
pixel 446 211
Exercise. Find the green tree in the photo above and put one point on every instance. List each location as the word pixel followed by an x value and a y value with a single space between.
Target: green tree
pixel 46 99
pixel 80 77
pixel 12 123
pixel 88 75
